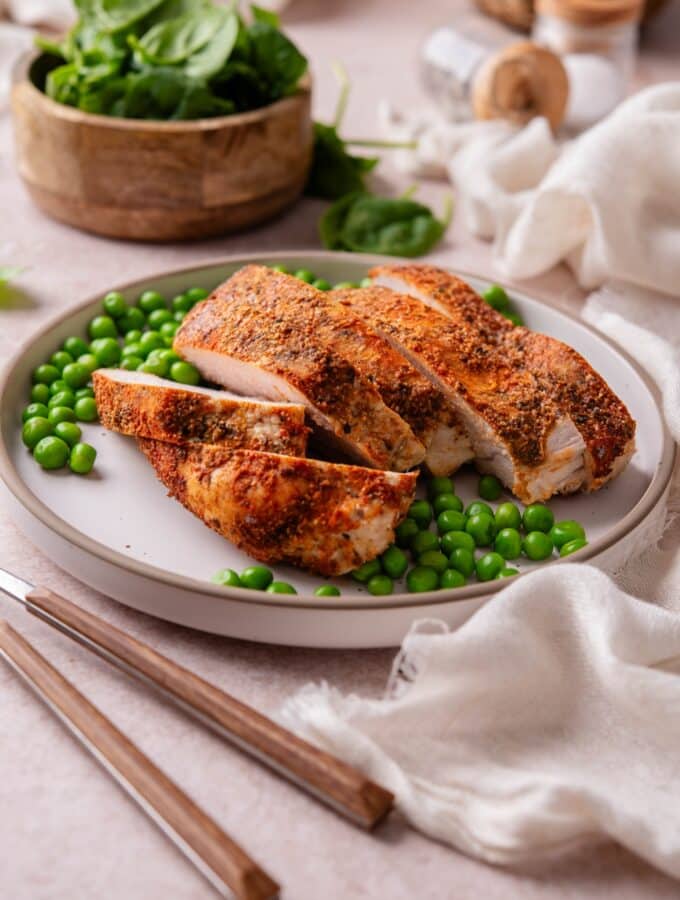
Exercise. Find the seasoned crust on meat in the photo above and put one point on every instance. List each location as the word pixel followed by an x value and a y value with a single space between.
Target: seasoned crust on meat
pixel 143 405
pixel 317 515
pixel 256 328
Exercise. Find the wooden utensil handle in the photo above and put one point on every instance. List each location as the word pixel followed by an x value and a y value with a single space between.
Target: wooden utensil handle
pixel 224 862
pixel 328 778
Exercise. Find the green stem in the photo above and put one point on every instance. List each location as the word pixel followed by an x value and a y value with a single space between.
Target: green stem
pixel 447 211
pixel 382 145
pixel 409 192
pixel 343 80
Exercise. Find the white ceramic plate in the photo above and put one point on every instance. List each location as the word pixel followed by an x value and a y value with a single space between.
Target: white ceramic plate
pixel 118 531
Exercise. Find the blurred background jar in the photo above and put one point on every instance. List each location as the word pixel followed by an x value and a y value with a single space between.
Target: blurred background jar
pixel 597 42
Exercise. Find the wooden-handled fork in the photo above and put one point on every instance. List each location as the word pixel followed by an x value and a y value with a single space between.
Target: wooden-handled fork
pixel 318 772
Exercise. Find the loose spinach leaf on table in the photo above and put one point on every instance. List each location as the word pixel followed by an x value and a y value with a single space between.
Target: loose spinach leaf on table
pixel 365 223
pixel 335 172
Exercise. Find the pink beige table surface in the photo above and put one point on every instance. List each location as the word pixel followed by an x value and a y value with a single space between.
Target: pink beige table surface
pixel 66 831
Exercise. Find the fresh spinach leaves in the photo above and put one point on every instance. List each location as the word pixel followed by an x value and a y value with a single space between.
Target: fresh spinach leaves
pixel 365 223
pixel 171 59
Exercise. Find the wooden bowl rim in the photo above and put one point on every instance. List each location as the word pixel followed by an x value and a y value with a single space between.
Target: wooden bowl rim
pixel 70 113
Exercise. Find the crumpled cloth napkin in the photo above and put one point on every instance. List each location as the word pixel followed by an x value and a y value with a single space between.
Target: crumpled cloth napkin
pixel 550 718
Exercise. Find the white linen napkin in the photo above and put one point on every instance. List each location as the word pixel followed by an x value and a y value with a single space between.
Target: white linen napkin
pixel 550 718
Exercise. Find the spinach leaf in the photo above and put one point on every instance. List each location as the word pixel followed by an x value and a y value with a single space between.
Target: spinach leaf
pixel 167 93
pixel 240 83
pixel 212 58
pixel 265 15
pixel 276 59
pixel 365 223
pixel 335 172
pixel 119 15
pixel 172 42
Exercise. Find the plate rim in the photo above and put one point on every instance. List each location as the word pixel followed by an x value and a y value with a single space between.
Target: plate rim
pixel 36 507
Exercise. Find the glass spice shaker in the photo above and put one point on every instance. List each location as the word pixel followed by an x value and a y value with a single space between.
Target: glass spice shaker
pixel 597 41
pixel 477 70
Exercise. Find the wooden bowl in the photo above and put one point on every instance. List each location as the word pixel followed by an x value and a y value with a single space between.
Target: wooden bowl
pixel 159 181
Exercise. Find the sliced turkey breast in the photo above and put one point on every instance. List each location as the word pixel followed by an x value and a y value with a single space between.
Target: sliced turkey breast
pixel 516 430
pixel 282 509
pixel 143 405
pixel 601 418
pixel 256 335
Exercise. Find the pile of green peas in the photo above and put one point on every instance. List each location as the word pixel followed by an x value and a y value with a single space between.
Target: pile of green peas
pixel 136 337
pixel 445 556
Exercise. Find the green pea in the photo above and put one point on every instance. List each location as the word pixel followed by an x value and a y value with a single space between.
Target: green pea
pixel 257 578
pixel 366 282
pixel 51 452
pixel 482 528
pixel 82 458
pixel 446 501
pixel 35 430
pixel 159 317
pixel 514 318
pixel 90 361
pixel 107 351
pixel 537 545
pixel 68 432
pixel 508 516
pixel 168 330
pixel 420 579
pixel 33 410
pixel 394 561
pixel 115 305
pixel 488 566
pixel 424 541
pixel 181 303
pixel 102 327
pixel 227 577
pixel 405 532
pixel 184 373
pixel 60 359
pixel 133 336
pixel 451 520
pixel 133 349
pixel 151 300
pixel 281 587
pixel 132 363
pixel 367 571
pixel 196 294
pixel 61 414
pixel 76 375
pixel 167 354
pixel 421 512
pixel 179 317
pixel 453 539
pixel 380 585
pixel 151 340
pixel 133 320
pixel 463 560
pixel 305 275
pixel 63 398
pixel 58 386
pixel 538 517
pixel 284 270
pixel 75 346
pixel 507 572
pixel 84 392
pixel 508 543
pixel 40 393
pixel 572 546
pixel 440 485
pixel 477 508
pixel 322 285
pixel 489 487
pixel 345 285
pixel 451 578
pixel 566 531
pixel 86 409
pixel 327 590
pixel 433 559
pixel 496 297
pixel 45 374
pixel 155 366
